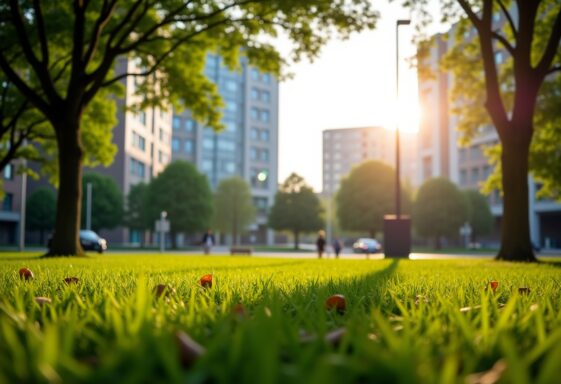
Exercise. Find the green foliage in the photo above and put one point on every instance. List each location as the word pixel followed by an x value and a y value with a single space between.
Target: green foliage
pixel 403 321
pixel 439 210
pixel 107 201
pixel 479 215
pixel 184 194
pixel 136 215
pixel 296 208
pixel 233 207
pixel 40 211
pixel 366 195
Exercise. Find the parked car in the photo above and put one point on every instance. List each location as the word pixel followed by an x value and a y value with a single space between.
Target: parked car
pixel 89 240
pixel 364 245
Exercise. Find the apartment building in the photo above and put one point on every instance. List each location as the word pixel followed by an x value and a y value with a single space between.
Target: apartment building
pixel 247 147
pixel 345 148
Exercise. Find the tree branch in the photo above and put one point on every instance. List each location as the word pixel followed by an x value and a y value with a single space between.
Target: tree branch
pixel 552 46
pixel 553 69
pixel 508 17
pixel 25 90
pixel 469 12
pixel 40 68
pixel 106 12
pixel 506 44
pixel 41 32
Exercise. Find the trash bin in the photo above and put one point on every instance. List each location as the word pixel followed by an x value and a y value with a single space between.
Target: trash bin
pixel 397 236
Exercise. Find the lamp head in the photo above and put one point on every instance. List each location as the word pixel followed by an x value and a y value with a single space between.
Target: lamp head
pixel 403 22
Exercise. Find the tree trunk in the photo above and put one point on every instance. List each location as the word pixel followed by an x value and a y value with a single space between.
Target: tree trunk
pixel 66 240
pixel 515 225
pixel 296 239
pixel 372 233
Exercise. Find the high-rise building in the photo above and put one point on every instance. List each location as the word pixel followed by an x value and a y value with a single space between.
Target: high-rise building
pixel 440 153
pixel 143 139
pixel 247 147
pixel 348 147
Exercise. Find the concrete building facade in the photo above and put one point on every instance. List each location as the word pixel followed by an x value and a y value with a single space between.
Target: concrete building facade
pixel 346 148
pixel 247 147
pixel 10 210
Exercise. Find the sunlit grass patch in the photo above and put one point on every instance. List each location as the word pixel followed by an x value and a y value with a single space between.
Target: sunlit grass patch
pixel 265 320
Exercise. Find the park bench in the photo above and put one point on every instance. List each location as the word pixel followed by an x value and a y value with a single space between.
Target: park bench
pixel 240 250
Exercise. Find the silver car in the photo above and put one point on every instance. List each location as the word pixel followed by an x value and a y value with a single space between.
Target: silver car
pixel 364 245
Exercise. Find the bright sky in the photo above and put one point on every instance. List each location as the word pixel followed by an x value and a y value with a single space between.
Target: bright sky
pixel 352 84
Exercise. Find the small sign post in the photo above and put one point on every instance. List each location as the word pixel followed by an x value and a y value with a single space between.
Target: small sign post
pixel 162 226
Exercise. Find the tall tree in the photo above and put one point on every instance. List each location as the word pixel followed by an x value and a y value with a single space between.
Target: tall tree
pixel 107 202
pixel 529 36
pixel 479 215
pixel 439 210
pixel 296 208
pixel 185 195
pixel 60 55
pixel 366 195
pixel 136 213
pixel 233 207
pixel 40 211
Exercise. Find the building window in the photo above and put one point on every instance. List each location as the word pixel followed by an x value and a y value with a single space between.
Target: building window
pixel 231 85
pixel 254 134
pixel 142 117
pixel 138 141
pixel 265 155
pixel 267 78
pixel 7 204
pixel 176 123
pixel 265 96
pixel 175 145
pixel 264 135
pixel 226 145
pixel 229 166
pixel 254 113
pixel 206 165
pixel 8 172
pixel 137 167
pixel 475 175
pixel 208 143
pixel 188 146
pixel 254 94
pixel 230 126
pixel 189 125
pixel 265 116
pixel 254 74
pixel 231 106
pixel 253 153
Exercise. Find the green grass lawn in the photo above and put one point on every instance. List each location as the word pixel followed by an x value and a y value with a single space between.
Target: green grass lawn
pixel 403 320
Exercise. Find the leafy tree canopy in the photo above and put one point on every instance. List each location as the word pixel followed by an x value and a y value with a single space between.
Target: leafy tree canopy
pixel 40 210
pixel 136 215
pixel 296 208
pixel 366 195
pixel 440 209
pixel 479 214
pixel 233 207
pixel 184 194
pixel 107 202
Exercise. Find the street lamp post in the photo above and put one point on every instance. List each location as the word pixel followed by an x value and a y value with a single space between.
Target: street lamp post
pixel 397 228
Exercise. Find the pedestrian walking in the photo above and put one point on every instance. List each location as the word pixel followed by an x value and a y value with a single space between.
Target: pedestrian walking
pixel 208 241
pixel 337 246
pixel 320 244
